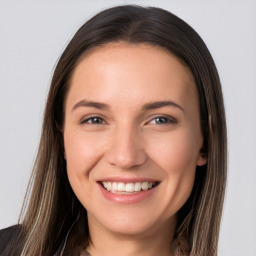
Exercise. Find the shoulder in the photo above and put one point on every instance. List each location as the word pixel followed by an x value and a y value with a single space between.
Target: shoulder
pixel 10 239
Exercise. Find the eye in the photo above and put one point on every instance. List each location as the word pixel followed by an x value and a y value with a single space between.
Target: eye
pixel 95 120
pixel 161 120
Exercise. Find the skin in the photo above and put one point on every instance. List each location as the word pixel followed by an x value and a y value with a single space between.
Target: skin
pixel 127 140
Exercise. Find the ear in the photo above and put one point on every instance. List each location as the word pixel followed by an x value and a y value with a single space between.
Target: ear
pixel 202 159
pixel 202 155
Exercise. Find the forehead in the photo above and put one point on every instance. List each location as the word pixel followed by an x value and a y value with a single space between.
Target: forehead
pixel 131 71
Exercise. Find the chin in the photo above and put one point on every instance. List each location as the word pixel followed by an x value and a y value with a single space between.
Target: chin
pixel 132 222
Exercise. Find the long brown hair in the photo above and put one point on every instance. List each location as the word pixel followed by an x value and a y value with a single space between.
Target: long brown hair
pixel 52 206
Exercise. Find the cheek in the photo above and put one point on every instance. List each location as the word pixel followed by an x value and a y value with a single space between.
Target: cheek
pixel 177 156
pixel 175 153
pixel 81 152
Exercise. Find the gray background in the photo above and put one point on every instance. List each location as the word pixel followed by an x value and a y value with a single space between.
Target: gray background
pixel 34 33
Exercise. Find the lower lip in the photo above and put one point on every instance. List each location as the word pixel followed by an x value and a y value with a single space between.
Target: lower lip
pixel 127 198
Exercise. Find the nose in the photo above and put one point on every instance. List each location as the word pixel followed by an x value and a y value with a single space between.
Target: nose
pixel 126 149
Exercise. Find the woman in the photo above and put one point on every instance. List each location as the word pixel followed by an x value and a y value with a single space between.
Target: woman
pixel 132 157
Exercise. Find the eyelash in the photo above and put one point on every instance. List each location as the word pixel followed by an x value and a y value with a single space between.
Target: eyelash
pixel 89 120
pixel 164 120
pixel 167 120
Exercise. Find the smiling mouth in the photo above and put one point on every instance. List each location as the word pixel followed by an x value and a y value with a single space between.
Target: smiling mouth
pixel 128 188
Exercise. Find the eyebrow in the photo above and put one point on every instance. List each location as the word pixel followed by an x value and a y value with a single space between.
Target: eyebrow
pixel 85 103
pixel 160 104
pixel 147 106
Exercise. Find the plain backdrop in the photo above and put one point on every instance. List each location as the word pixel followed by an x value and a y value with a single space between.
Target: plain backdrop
pixel 34 33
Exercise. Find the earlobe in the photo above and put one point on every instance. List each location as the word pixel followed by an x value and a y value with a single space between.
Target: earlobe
pixel 202 159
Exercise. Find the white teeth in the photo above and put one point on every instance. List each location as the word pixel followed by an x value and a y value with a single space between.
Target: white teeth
pixel 129 187
pixel 144 186
pixel 109 186
pixel 137 186
pixel 122 187
pixel 114 186
pixel 105 184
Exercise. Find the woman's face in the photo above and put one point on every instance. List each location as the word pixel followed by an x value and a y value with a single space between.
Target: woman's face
pixel 132 137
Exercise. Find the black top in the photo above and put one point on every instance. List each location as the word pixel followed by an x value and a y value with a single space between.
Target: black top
pixel 12 242
pixel 9 240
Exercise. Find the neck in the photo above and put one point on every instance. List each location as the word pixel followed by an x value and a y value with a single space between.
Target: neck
pixel 156 241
